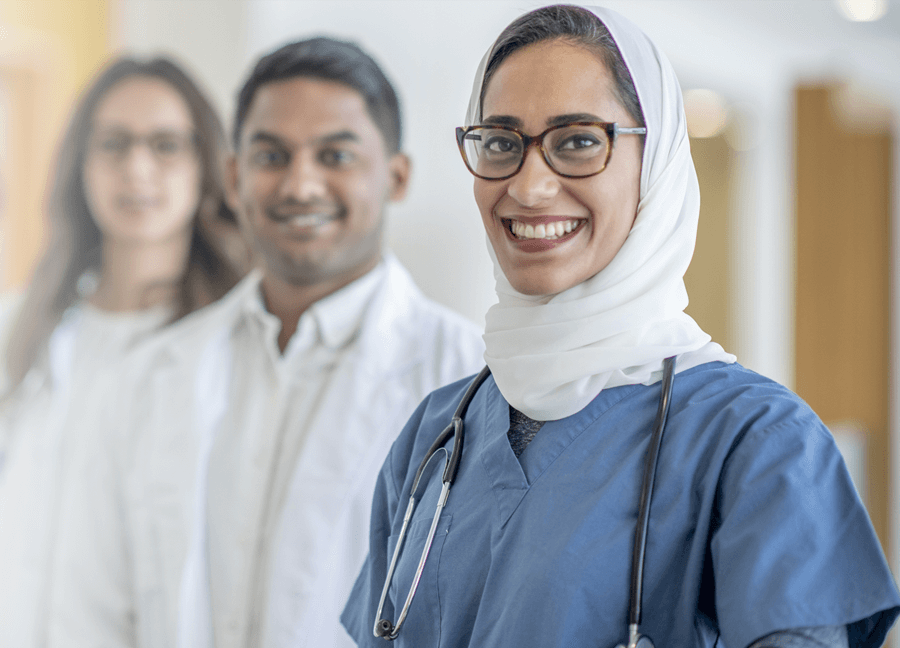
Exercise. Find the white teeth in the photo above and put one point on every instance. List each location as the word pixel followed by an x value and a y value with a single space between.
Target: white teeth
pixel 307 220
pixel 549 231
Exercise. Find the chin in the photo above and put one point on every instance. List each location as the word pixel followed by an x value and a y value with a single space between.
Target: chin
pixel 536 282
pixel 534 288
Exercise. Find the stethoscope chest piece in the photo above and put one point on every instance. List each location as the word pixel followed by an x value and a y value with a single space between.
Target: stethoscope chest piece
pixel 636 639
pixel 642 642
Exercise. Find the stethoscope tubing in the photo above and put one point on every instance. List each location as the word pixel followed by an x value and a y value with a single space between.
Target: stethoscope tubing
pixel 639 550
pixel 383 627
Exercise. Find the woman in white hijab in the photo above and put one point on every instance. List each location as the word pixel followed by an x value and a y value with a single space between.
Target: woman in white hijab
pixel 756 535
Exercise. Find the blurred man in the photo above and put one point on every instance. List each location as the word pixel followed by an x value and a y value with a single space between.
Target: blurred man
pixel 235 507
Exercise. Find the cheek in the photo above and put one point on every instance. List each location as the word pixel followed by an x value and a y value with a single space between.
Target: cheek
pixel 363 193
pixel 254 190
pixel 184 191
pixel 487 195
pixel 99 188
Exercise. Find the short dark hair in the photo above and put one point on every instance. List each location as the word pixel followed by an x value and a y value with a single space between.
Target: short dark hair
pixel 574 25
pixel 332 60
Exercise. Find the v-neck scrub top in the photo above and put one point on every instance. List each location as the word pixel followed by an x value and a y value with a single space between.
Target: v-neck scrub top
pixel 755 525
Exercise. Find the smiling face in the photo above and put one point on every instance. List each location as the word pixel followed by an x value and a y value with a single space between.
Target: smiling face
pixel 311 180
pixel 551 233
pixel 141 172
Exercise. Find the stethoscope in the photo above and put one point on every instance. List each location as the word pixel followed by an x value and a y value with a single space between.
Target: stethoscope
pixel 389 631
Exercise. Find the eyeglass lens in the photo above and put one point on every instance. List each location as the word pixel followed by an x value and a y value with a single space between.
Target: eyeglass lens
pixel 167 147
pixel 574 150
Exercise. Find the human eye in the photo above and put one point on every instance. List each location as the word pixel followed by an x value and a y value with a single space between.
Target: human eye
pixel 581 143
pixel 334 157
pixel 113 143
pixel 168 145
pixel 270 157
pixel 499 144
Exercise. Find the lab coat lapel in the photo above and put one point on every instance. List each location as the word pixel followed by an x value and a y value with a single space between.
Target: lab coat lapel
pixel 210 399
pixel 237 479
pixel 186 397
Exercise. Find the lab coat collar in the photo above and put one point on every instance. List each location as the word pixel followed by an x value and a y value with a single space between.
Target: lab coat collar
pixel 391 337
pixel 386 328
pixel 336 318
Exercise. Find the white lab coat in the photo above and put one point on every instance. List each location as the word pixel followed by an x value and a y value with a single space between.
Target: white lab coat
pixel 122 572
pixel 45 424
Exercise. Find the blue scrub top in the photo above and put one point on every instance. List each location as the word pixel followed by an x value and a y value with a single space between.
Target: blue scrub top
pixel 755 525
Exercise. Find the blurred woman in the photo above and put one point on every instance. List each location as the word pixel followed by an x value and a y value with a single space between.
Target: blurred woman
pixel 139 237
pixel 755 537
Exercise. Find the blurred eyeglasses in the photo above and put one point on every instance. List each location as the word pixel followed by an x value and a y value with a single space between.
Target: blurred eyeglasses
pixel 573 150
pixel 167 147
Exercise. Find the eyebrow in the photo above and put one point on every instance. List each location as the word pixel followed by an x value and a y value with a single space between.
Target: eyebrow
pixel 574 117
pixel 340 136
pixel 515 122
pixel 502 120
pixel 262 137
pixel 270 138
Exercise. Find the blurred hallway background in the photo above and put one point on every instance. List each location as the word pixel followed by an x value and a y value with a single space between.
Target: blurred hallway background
pixel 793 109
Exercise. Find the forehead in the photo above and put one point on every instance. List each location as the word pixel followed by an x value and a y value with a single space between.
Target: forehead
pixel 301 109
pixel 547 79
pixel 143 103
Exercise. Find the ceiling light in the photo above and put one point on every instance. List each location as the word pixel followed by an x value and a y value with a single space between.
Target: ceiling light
pixel 862 10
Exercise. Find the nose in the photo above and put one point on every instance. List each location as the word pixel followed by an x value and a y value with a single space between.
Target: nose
pixel 139 162
pixel 304 179
pixel 535 183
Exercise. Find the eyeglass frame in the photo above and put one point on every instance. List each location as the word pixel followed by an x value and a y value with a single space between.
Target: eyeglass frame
pixel 189 138
pixel 612 129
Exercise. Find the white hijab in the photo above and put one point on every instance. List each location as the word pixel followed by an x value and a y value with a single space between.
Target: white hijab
pixel 552 355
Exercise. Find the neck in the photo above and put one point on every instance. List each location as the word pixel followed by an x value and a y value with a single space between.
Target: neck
pixel 288 301
pixel 138 276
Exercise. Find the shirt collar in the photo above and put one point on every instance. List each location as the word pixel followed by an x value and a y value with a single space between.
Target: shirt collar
pixel 335 318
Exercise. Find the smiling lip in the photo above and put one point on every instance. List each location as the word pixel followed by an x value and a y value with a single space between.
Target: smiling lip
pixel 539 233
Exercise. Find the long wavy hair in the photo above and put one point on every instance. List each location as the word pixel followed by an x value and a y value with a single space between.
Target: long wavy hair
pixel 74 243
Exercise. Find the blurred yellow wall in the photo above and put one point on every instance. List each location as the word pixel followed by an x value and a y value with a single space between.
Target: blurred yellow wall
pixel 708 279
pixel 48 50
pixel 843 307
